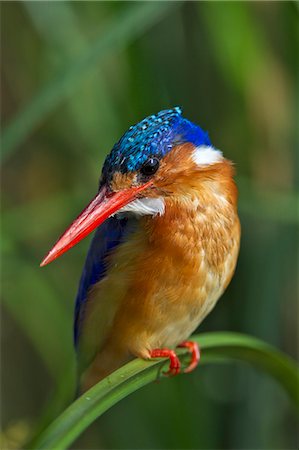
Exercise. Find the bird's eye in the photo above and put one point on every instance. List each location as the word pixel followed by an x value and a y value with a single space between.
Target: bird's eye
pixel 150 166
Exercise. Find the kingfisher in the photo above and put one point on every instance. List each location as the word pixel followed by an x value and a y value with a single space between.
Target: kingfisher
pixel 164 251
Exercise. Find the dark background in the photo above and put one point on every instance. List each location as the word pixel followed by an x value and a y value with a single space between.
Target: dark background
pixel 75 76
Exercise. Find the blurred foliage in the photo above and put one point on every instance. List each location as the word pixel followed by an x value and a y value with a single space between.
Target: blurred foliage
pixel 75 75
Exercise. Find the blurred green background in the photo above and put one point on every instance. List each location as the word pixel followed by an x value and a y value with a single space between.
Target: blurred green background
pixel 75 75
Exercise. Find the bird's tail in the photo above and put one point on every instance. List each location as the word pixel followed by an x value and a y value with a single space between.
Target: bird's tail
pixel 106 361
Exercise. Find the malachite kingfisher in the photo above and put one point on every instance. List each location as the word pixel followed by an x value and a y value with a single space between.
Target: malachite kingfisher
pixel 164 251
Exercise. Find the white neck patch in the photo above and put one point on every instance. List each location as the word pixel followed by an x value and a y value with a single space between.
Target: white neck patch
pixel 145 207
pixel 206 155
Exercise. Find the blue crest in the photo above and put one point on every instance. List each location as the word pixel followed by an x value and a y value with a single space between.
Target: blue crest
pixel 155 136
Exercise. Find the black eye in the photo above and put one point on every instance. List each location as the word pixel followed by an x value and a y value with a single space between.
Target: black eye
pixel 150 166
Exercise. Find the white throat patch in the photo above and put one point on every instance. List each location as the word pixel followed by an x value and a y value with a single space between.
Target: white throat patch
pixel 206 155
pixel 145 207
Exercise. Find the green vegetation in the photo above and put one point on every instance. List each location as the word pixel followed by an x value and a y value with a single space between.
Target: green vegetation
pixel 216 347
pixel 75 75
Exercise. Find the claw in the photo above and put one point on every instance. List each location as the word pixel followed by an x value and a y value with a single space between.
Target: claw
pixel 174 366
pixel 195 354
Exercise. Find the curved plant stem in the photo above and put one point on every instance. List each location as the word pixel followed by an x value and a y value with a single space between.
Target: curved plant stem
pixel 216 347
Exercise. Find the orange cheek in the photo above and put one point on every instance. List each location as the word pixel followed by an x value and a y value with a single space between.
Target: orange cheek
pixel 121 181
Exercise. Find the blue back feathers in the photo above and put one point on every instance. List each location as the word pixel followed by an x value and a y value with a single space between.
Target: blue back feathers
pixel 153 136
pixel 106 238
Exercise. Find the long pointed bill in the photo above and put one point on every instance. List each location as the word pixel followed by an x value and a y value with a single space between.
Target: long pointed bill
pixel 99 209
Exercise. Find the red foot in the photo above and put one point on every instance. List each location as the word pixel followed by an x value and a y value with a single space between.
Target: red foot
pixel 195 354
pixel 174 366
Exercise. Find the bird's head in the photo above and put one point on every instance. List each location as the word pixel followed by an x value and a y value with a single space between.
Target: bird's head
pixel 154 160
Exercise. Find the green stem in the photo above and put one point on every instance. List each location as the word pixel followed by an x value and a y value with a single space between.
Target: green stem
pixel 216 347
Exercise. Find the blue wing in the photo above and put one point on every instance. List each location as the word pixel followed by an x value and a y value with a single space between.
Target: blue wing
pixel 108 236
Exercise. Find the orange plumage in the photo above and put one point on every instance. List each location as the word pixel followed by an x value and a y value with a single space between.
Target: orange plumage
pixel 147 285
pixel 169 275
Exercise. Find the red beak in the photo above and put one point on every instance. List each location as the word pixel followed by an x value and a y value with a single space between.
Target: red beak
pixel 103 205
